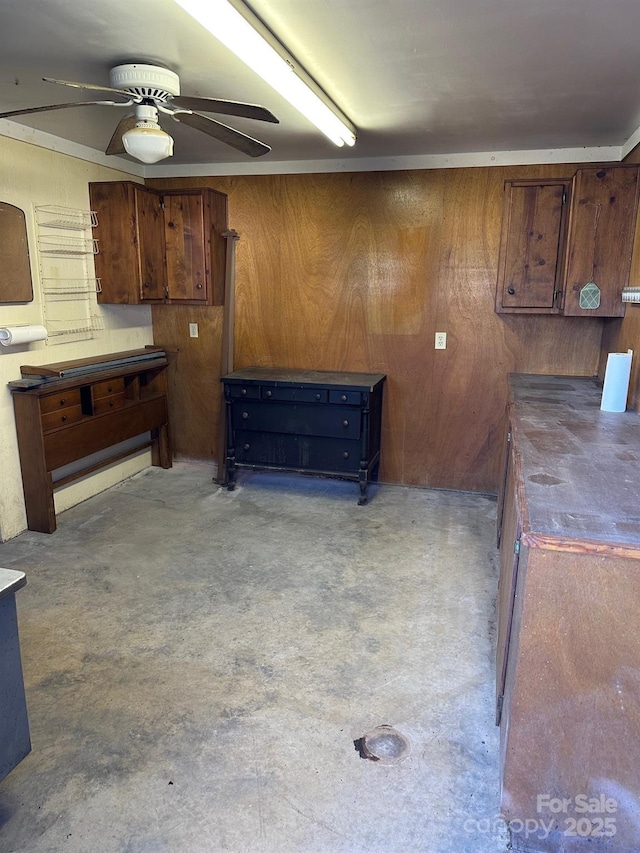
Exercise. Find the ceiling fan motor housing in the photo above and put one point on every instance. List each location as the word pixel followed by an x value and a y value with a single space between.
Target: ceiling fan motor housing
pixel 148 81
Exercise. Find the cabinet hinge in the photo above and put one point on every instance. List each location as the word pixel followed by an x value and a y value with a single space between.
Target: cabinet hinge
pixel 516 546
pixel 509 436
pixel 162 203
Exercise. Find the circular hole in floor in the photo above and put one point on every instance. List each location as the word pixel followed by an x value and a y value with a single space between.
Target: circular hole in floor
pixel 384 744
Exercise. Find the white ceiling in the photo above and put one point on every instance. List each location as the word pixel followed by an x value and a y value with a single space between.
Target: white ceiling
pixel 416 77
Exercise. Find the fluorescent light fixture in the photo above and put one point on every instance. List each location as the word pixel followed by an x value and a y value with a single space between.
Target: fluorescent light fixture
pixel 257 47
pixel 147 141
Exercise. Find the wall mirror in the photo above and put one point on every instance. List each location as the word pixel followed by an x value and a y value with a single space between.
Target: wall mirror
pixel 15 271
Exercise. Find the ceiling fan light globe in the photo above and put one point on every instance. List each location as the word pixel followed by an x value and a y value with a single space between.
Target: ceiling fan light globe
pixel 147 143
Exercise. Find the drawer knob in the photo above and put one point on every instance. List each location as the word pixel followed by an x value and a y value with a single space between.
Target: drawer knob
pixel 269 393
pixel 63 401
pixel 64 417
pixel 343 397
pixel 110 403
pixel 109 389
pixel 246 446
pixel 318 396
pixel 345 455
pixel 345 423
pixel 511 291
pixel 245 415
pixel 244 392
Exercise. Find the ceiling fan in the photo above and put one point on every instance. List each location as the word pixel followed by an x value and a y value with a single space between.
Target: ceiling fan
pixel 151 89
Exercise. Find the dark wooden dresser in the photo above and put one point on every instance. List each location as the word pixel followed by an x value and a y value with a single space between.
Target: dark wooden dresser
pixel 313 422
pixel 568 649
pixel 72 410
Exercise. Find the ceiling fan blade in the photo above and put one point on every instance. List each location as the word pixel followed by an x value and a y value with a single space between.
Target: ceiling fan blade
pixel 240 141
pixel 229 108
pixel 53 107
pixel 91 86
pixel 116 145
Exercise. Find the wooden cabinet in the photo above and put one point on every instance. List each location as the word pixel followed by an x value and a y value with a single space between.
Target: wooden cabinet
pixel 533 227
pixel 575 264
pixel 69 411
pixel 602 226
pixel 303 420
pixel 159 247
pixel 568 693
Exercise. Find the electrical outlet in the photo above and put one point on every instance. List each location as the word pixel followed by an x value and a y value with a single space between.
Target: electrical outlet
pixel 441 340
pixel 193 330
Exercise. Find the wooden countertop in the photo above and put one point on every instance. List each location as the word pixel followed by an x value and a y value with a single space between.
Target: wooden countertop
pixel 577 468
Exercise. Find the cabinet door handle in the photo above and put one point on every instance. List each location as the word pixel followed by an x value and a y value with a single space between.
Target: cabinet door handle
pixel 198 287
pixel 345 423
pixel 511 291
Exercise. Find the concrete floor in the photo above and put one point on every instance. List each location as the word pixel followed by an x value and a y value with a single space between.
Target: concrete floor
pixel 199 662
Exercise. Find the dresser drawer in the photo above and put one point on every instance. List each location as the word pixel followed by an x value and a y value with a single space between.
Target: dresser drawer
pixel 299 452
pixel 250 392
pixel 302 419
pixel 107 404
pixel 62 417
pixel 301 395
pixel 107 389
pixel 62 400
pixel 345 398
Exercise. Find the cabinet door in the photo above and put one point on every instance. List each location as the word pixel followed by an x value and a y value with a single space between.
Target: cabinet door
pixel 509 558
pixel 187 246
pixel 600 244
pixel 130 259
pixel 150 240
pixel 533 226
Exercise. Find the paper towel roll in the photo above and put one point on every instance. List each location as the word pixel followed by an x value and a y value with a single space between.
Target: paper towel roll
pixel 616 382
pixel 11 336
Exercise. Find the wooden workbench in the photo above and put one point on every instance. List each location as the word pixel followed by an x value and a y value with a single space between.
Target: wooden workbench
pixel 568 657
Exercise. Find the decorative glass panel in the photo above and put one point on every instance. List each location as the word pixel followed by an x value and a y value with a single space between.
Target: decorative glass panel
pixel 590 296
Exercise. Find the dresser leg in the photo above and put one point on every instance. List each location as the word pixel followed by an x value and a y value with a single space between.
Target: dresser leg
pixel 231 473
pixel 363 489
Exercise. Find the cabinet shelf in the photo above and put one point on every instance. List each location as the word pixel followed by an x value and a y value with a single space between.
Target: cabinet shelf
pixel 67 246
pixel 66 218
pixel 63 286
pixel 84 325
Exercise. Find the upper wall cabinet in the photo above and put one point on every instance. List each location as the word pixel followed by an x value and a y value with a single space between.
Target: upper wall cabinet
pixel 533 227
pixel 575 264
pixel 159 247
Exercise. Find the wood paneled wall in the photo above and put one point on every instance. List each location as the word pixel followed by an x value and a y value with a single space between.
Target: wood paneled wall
pixel 194 376
pixel 357 271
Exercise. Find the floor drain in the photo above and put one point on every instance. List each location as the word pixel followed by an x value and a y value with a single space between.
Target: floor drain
pixel 384 743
